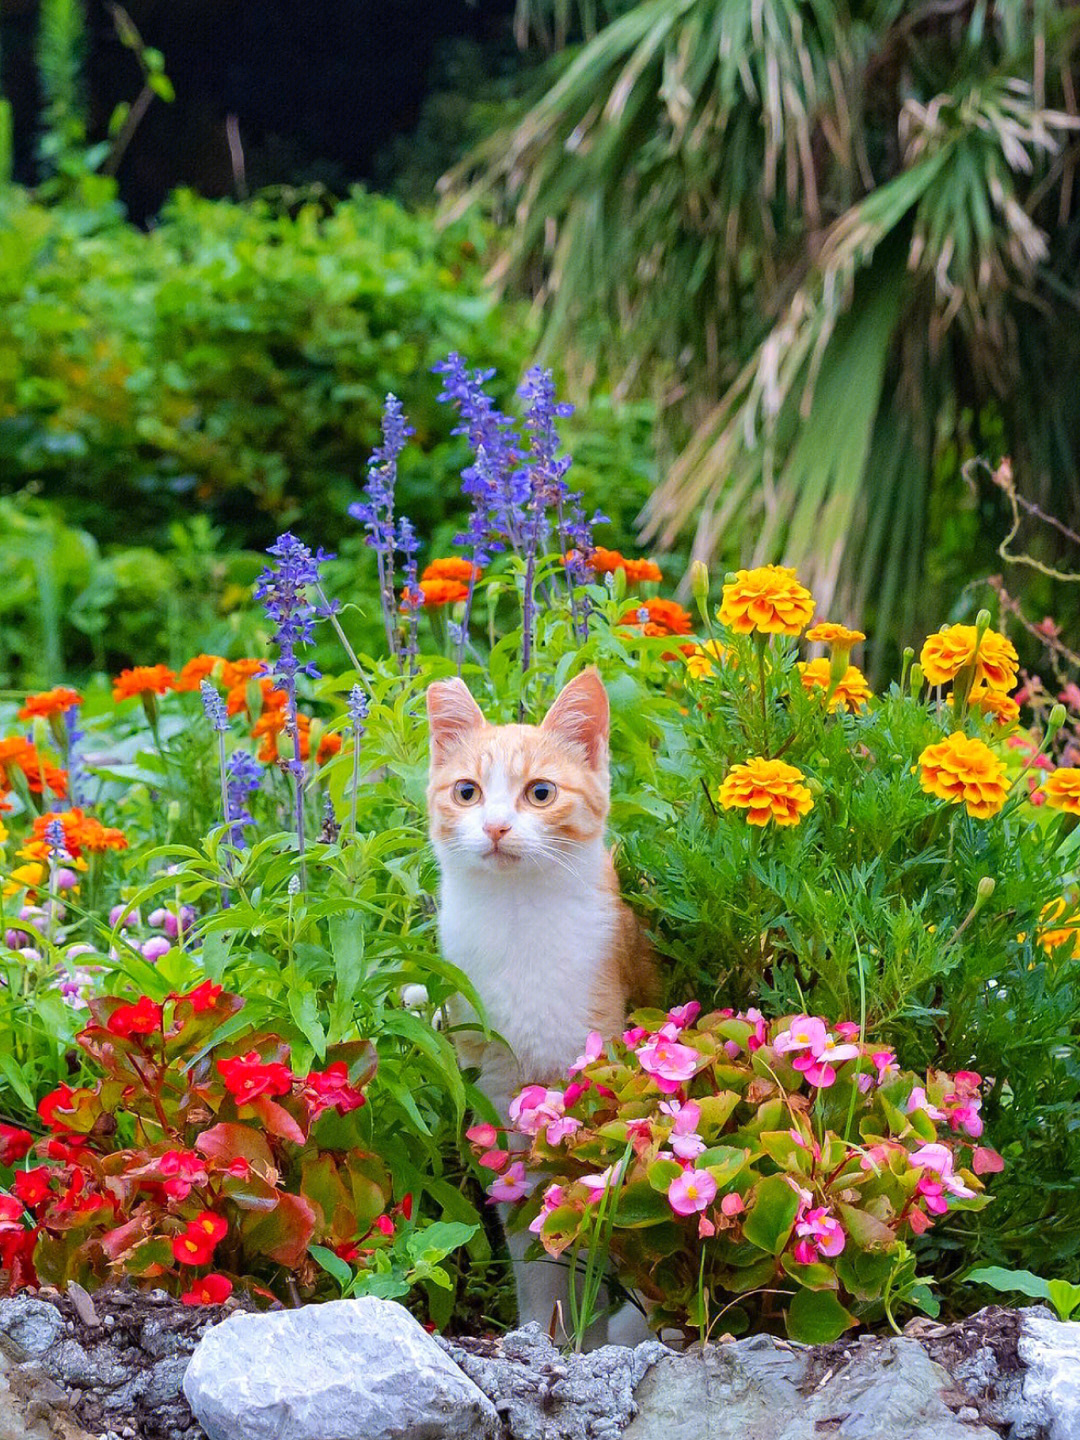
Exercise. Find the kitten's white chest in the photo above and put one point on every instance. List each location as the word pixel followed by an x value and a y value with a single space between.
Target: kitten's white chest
pixel 536 953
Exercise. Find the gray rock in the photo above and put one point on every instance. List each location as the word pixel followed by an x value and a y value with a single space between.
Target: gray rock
pixel 1050 1401
pixel 542 1394
pixel 32 1326
pixel 762 1389
pixel 348 1370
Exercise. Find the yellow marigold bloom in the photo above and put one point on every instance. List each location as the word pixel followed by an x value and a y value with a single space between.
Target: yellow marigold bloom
pixel 964 771
pixel 945 654
pixel 767 790
pixel 769 600
pixel 851 690
pixel 700 660
pixel 1055 936
pixel 28 876
pixel 995 704
pixel 826 633
pixel 1062 789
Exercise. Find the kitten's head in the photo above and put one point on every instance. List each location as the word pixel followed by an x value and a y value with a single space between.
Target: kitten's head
pixel 509 798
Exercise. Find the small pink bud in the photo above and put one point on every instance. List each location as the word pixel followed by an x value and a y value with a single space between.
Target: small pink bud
pixel 732 1204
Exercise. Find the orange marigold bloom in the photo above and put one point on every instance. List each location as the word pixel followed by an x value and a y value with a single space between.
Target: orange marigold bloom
pixel 41 774
pixel 453 567
pixel 606 562
pixel 1062 789
pixel 274 723
pixel 769 600
pixel 768 790
pixel 964 771
pixel 82 832
pixel 664 617
pixel 197 669
pixel 826 633
pixel 50 702
pixel 433 594
pixel 851 690
pixel 947 653
pixel 157 679
pixel 237 699
pixel 238 672
pixel 995 704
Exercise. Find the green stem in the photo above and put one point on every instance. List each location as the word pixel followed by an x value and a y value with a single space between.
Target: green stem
pixel 760 641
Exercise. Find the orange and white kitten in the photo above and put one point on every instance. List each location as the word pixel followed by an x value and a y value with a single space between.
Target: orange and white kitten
pixel 529 904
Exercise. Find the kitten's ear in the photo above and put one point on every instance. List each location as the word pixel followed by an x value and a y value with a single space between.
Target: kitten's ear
pixel 452 713
pixel 581 713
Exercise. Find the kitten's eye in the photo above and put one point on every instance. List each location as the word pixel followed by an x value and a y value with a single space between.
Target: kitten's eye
pixel 540 793
pixel 466 792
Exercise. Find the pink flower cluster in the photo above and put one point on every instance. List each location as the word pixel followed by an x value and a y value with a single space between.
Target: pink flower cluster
pixel 818 1230
pixel 962 1104
pixel 817 1051
pixel 938 1180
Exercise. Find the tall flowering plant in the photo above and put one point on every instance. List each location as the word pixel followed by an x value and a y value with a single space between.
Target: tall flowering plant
pixel 750 1169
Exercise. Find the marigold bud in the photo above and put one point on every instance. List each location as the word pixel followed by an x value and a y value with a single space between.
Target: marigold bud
pixel 699 581
pixel 916 679
pixel 982 624
pixel 1055 720
pixel 986 887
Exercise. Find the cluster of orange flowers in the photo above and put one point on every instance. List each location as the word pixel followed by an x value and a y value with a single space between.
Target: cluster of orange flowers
pixel 659 617
pixel 850 690
pixel 40 774
pixel 83 834
pixel 443 582
pixel 637 572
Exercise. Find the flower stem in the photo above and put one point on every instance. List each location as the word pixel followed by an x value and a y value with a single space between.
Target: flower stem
pixel 760 641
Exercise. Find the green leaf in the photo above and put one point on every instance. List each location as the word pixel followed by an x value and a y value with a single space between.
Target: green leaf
pixel 816 1317
pixel 1064 1296
pixel 333 1265
pixel 1021 1281
pixel 638 1204
pixel 347 946
pixel 772 1214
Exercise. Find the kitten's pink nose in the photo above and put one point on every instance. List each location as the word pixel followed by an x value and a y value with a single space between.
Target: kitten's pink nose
pixel 495 831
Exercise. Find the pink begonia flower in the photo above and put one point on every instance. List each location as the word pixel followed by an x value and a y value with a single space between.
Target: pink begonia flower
pixel 688 1147
pixel 484 1135
pixel 684 1015
pixel 806 1198
pixel 883 1061
pixel 816 1072
pixel 691 1191
pixel 732 1049
pixel 760 1035
pixel 535 1108
pixel 822 1230
pixel 804 1033
pixel 594 1048
pixel 553 1198
pixel 597 1184
pixel 494 1159
pixel 937 1160
pixel 640 1129
pixel 705 1228
pixel 847 1030
pixel 562 1129
pixel 804 1253
pixel 917 1101
pixel 686 1114
pixel 966 1118
pixel 669 1063
pixel 811 1146
pixel 511 1186
pixel 732 1204
pixel 634 1037
pixel 574 1091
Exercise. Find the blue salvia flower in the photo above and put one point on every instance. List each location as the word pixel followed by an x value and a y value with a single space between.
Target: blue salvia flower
pixel 54 838
pixel 408 545
pixel 496 484
pixel 214 707
pixel 243 776
pixel 283 589
pixel 358 706
pixel 376 512
pixel 75 768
